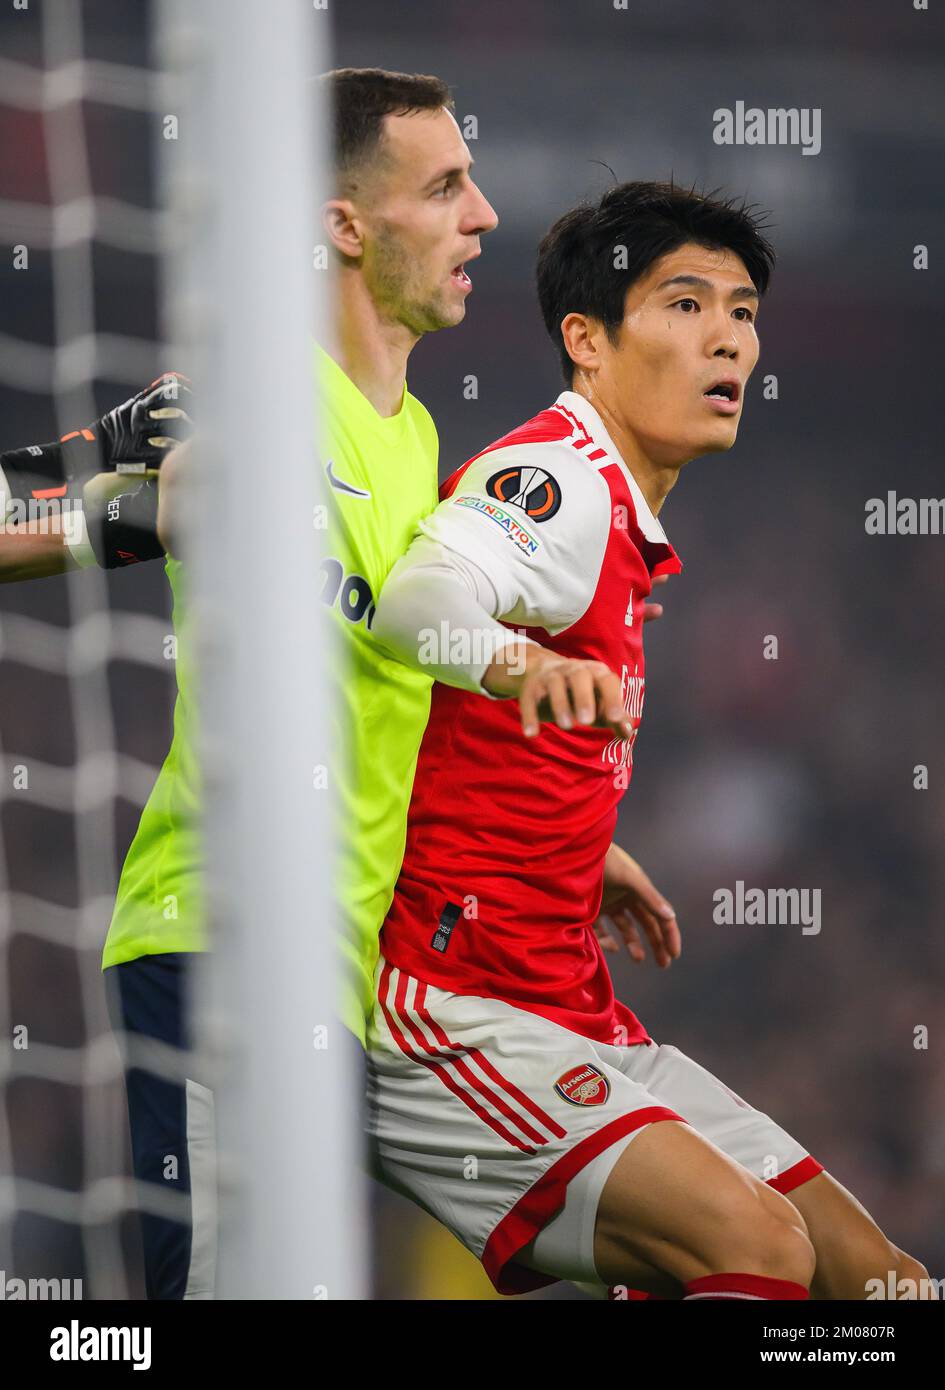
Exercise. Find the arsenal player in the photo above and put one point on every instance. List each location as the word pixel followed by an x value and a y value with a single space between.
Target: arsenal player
pixel 511 1094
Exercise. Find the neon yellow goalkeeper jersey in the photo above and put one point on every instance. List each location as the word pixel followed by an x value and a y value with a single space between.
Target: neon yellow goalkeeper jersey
pixel 383 476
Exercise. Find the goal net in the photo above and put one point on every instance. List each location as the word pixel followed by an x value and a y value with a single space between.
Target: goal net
pixel 157 202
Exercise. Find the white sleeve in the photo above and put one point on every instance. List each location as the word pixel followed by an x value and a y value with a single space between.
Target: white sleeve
pixel 436 612
pixel 535 518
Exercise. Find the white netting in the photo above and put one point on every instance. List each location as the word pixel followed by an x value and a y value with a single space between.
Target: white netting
pixel 84 660
pixel 65 1186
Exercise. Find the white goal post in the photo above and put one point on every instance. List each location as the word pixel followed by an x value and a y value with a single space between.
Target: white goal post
pixel 245 174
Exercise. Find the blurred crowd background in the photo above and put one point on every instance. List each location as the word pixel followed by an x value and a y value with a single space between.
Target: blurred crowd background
pixel 793 773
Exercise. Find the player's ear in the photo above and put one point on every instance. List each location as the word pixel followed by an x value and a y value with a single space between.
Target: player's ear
pixel 343 225
pixel 581 338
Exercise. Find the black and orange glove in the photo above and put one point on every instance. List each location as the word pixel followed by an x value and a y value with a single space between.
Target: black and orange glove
pixel 132 438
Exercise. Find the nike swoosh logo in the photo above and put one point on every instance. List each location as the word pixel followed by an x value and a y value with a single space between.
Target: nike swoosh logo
pixel 340 484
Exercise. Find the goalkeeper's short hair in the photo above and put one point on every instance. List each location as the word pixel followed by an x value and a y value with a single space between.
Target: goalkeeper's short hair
pixel 360 98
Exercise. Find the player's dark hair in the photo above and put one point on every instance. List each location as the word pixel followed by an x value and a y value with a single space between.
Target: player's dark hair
pixel 594 253
pixel 360 99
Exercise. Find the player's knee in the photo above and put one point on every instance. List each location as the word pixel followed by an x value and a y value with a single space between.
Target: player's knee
pixel 757 1231
pixel 731 1224
pixel 773 1242
pixel 751 1229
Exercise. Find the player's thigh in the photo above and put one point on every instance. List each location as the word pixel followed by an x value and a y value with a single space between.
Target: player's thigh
pixel 565 1246
pixel 676 1203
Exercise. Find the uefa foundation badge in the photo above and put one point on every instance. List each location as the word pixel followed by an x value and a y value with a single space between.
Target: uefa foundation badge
pixel 583 1085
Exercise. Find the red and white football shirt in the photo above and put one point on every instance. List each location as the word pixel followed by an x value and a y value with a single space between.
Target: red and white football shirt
pixel 503 867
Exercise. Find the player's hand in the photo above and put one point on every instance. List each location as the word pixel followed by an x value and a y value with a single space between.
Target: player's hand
pixel 654 610
pixel 566 691
pixel 631 901
pixel 138 434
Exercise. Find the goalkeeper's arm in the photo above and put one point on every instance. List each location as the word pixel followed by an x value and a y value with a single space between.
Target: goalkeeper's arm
pixel 68 504
pixel 42 531
pixel 24 555
pixel 117 526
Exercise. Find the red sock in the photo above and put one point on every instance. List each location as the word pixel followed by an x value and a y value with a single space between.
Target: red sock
pixel 735 1286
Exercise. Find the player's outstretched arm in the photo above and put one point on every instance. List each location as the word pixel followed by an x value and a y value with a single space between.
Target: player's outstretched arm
pixel 27 556
pixel 69 504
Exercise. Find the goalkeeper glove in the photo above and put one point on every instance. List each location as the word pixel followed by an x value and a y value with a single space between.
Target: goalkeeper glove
pixel 126 531
pixel 132 438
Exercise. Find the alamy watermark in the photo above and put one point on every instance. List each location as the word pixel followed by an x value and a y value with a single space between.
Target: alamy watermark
pixel 448 645
pixel 78 1343
pixel 13 1289
pixel 755 125
pixel 897 1289
pixel 893 515
pixel 750 907
pixel 42 516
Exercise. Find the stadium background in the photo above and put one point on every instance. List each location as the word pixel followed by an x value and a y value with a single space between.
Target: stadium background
pixel 789 773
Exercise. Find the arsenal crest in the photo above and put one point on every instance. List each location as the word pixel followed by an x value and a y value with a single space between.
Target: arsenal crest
pixel 583 1085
